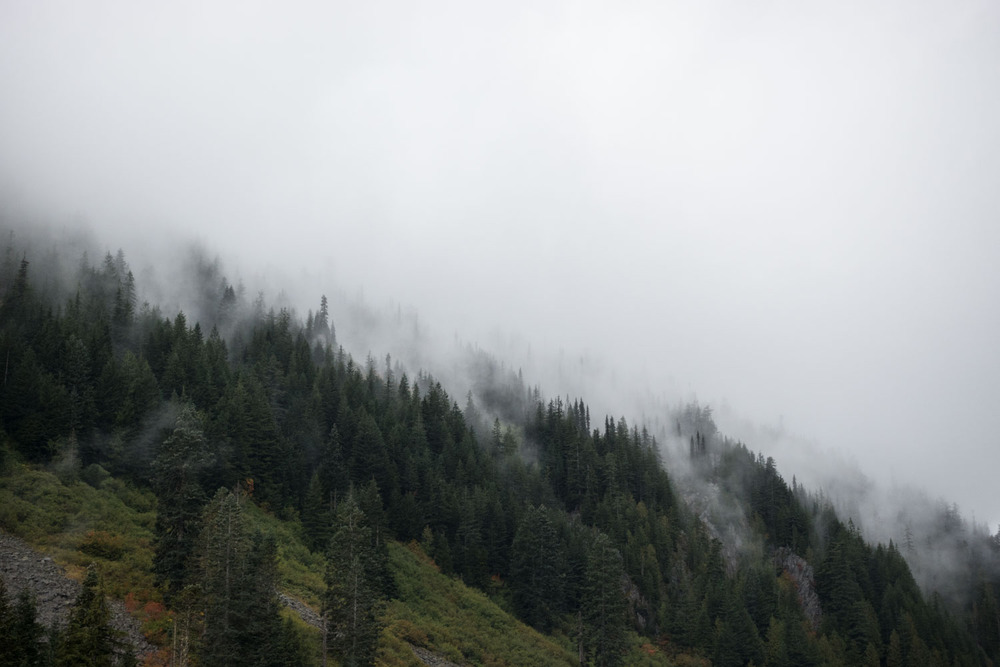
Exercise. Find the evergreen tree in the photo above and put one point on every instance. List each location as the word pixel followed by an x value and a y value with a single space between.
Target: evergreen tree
pixel 316 515
pixel 604 603
pixel 536 588
pixel 224 549
pixel 321 324
pixel 894 656
pixel 20 633
pixel 353 605
pixel 776 652
pixel 178 467
pixel 7 641
pixel 89 641
pixel 238 580
pixel 28 632
pixel 369 501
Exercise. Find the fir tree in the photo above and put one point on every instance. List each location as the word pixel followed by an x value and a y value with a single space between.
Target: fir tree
pixel 238 581
pixel 316 515
pixel 353 605
pixel 89 641
pixel 536 590
pixel 604 603
pixel 177 470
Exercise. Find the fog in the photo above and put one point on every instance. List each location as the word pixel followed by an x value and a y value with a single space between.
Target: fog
pixel 787 209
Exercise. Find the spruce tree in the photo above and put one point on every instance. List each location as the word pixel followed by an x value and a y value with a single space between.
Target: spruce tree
pixel 604 603
pixel 27 631
pixel 9 642
pixel 177 470
pixel 238 579
pixel 89 641
pixel 352 605
pixel 536 590
pixel 316 515
pixel 224 548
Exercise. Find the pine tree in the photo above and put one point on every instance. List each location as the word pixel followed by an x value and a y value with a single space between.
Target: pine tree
pixel 15 647
pixel 321 324
pixel 777 649
pixel 316 515
pixel 224 548
pixel 27 631
pixel 88 640
pixel 238 580
pixel 894 656
pixel 177 470
pixel 370 502
pixel 604 603
pixel 536 590
pixel 871 657
pixel 352 605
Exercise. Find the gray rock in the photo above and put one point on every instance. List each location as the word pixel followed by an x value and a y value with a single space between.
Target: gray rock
pixel 23 568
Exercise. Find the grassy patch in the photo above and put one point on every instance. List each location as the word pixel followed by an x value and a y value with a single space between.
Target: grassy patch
pixel 301 570
pixel 462 624
pixel 111 525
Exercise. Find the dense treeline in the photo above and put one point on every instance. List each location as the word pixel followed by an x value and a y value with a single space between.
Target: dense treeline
pixel 580 524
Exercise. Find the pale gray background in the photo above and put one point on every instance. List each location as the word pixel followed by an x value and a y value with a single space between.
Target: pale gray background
pixel 789 207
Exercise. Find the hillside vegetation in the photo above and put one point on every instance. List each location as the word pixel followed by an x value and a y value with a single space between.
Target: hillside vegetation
pixel 206 460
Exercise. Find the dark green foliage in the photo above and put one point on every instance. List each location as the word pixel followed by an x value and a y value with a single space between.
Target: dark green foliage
pixel 986 619
pixel 237 575
pixel 736 640
pixel 178 470
pixel 536 564
pixel 604 603
pixel 94 384
pixel 317 517
pixel 20 633
pixel 89 640
pixel 768 497
pixel 353 601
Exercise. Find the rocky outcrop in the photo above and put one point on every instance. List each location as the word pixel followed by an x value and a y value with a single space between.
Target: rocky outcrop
pixel 304 611
pixel 431 658
pixel 23 568
pixel 801 574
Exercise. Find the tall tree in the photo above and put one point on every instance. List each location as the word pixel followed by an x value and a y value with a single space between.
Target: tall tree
pixel 238 581
pixel 604 603
pixel 89 641
pixel 177 470
pixel 224 547
pixel 536 590
pixel 352 605
pixel 20 633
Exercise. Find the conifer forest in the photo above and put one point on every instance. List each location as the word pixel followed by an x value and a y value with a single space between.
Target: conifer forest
pixel 254 495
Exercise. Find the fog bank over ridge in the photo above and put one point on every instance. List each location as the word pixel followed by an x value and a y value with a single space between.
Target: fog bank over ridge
pixel 787 209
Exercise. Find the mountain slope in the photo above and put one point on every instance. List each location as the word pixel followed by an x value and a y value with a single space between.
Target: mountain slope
pixel 575 527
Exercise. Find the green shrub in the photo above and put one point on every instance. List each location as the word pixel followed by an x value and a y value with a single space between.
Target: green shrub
pixel 94 475
pixel 103 544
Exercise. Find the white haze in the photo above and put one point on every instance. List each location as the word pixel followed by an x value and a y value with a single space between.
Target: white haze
pixel 790 208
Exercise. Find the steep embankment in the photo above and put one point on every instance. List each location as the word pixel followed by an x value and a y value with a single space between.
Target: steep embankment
pixel 24 568
pixel 436 619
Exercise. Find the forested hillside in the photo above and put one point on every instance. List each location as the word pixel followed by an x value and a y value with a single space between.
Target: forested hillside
pixel 572 523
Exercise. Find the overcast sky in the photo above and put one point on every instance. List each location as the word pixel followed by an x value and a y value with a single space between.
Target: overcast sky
pixel 792 207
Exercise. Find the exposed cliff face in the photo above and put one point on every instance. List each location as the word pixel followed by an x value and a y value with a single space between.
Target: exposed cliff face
pixel 23 568
pixel 724 520
pixel 801 573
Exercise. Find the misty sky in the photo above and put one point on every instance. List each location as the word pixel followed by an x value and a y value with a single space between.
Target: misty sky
pixel 791 207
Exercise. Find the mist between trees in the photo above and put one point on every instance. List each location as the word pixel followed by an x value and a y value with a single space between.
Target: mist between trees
pixel 593 528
